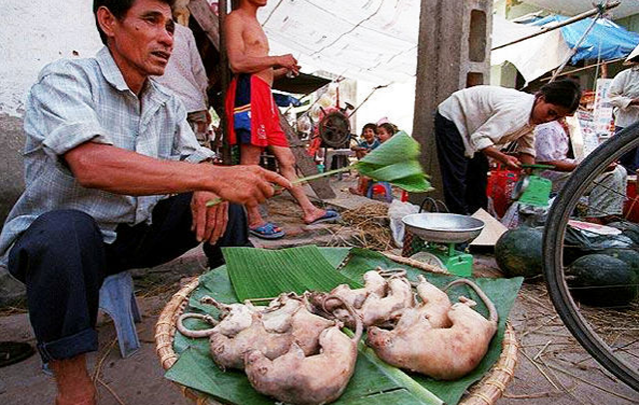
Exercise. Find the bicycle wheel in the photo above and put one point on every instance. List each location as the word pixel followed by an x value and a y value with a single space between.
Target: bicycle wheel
pixel 615 350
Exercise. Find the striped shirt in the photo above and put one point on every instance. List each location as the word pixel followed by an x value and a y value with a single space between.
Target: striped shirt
pixel 80 100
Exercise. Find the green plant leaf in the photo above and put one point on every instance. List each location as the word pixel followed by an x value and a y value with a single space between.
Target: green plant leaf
pixel 391 172
pixel 396 161
pixel 260 273
pixel 399 148
pixel 414 184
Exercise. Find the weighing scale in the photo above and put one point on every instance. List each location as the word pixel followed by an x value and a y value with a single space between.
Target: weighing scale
pixel 440 233
pixel 533 189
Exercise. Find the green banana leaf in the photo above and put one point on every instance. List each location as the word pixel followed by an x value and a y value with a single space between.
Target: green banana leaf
pixel 257 273
pixel 391 172
pixel 373 382
pixel 401 147
pixel 396 161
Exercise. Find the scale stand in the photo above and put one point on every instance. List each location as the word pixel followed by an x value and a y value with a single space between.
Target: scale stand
pixel 446 257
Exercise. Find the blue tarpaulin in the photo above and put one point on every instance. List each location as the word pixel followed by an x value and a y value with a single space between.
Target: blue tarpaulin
pixel 606 40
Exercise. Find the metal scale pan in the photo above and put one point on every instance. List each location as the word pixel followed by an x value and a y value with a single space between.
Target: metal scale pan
pixel 441 231
pixel 443 227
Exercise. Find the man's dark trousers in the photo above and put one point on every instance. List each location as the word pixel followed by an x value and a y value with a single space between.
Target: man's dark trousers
pixel 464 179
pixel 63 261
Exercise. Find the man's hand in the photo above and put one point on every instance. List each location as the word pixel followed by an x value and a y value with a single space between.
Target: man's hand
pixel 248 185
pixel 289 63
pixel 511 161
pixel 209 223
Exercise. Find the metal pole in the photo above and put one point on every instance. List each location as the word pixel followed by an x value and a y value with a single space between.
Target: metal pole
pixel 585 68
pixel 366 99
pixel 573 51
pixel 596 10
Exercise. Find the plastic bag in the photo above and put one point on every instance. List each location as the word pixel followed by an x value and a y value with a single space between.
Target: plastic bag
pixel 590 242
pixel 511 217
pixel 396 212
pixel 525 214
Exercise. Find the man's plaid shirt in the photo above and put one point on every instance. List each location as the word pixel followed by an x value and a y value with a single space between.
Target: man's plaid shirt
pixel 80 100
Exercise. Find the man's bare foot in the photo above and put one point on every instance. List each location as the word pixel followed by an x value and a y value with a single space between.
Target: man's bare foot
pixel 319 216
pixel 75 387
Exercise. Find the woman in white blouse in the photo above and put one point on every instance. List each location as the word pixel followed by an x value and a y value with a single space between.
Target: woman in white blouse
pixel 605 201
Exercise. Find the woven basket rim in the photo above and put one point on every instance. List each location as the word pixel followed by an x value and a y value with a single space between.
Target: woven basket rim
pixel 484 392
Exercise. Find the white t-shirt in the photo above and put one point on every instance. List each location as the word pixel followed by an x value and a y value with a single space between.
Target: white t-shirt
pixel 625 87
pixel 491 116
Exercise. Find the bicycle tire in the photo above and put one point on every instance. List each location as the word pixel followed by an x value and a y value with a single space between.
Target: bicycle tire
pixel 553 241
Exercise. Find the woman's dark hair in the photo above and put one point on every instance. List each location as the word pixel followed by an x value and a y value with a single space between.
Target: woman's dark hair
pixel 564 93
pixel 390 128
pixel 118 8
pixel 370 126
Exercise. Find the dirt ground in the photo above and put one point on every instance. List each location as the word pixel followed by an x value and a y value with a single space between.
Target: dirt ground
pixel 552 367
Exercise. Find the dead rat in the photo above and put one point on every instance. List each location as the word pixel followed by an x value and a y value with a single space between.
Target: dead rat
pixel 297 379
pixel 441 353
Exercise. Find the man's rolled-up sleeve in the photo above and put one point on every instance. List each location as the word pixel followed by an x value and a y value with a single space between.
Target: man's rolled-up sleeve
pixel 61 113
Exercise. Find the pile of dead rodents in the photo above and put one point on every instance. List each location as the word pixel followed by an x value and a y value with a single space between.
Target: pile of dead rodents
pixel 294 349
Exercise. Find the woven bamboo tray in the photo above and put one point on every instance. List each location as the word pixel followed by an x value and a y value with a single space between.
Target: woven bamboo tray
pixel 485 392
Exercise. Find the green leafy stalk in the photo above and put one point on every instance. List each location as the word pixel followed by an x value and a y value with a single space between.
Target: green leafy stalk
pixel 395 161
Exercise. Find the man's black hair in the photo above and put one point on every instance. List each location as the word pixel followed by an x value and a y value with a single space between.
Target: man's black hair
pixel 564 93
pixel 118 8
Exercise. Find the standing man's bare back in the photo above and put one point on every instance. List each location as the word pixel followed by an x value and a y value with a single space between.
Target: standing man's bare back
pixel 251 111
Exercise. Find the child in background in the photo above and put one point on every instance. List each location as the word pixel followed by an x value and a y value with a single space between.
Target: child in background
pixel 369 142
pixel 385 131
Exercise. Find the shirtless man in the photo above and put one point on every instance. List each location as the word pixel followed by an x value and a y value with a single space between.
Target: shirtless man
pixel 251 110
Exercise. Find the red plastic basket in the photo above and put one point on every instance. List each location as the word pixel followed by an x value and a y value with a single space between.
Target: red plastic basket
pixel 501 183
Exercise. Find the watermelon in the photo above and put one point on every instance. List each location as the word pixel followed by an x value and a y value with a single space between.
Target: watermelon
pixel 518 252
pixel 630 256
pixel 602 280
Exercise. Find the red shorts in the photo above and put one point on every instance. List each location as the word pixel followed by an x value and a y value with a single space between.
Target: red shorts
pixel 252 113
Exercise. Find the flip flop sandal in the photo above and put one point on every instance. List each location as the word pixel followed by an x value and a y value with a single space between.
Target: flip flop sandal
pixel 14 352
pixel 267 231
pixel 330 216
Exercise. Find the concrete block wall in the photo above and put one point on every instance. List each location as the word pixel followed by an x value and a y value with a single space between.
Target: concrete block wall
pixel 475 43
pixel 453 53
